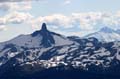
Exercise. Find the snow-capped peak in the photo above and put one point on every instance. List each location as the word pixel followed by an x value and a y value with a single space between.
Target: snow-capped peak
pixel 118 31
pixel 107 30
pixel 105 34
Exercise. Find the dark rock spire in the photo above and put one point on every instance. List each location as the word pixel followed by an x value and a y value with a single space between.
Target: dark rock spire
pixel 44 27
pixel 47 36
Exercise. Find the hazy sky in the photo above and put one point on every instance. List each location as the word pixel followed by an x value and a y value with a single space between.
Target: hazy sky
pixel 68 17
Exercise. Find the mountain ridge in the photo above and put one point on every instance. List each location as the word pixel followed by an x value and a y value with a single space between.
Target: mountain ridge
pixel 44 50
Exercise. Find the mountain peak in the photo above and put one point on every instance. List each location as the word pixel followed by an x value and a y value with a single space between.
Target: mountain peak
pixel 106 30
pixel 44 27
pixel 43 30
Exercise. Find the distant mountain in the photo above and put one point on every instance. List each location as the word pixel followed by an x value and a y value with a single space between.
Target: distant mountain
pixel 48 55
pixel 107 30
pixel 118 31
pixel 106 34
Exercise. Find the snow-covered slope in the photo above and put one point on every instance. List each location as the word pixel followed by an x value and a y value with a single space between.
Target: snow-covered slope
pixel 45 49
pixel 40 38
pixel 35 43
pixel 106 34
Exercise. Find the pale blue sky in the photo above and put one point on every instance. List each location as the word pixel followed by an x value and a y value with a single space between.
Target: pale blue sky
pixel 66 8
pixel 56 6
